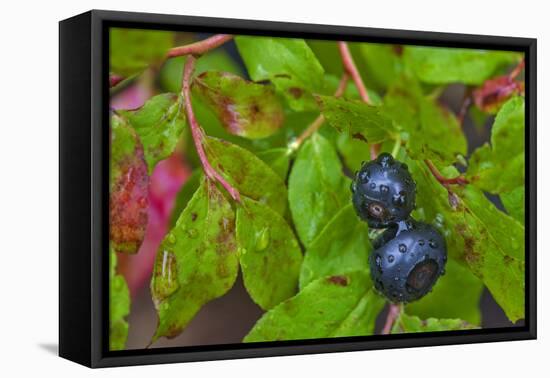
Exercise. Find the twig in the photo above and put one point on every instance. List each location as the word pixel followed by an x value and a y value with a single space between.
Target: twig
pixel 351 69
pixel 466 103
pixel 318 122
pixel 396 146
pixel 459 180
pixel 393 314
pixel 374 150
pixel 197 132
pixel 200 47
pixel 517 70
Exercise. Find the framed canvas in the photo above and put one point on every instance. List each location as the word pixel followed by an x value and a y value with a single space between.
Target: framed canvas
pixel 235 188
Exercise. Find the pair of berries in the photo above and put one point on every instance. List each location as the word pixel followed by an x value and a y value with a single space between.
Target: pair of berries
pixel 409 256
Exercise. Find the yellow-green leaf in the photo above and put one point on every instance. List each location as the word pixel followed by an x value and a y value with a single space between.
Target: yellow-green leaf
pixel 333 306
pixel 270 254
pixel 342 246
pixel 196 262
pixel 317 187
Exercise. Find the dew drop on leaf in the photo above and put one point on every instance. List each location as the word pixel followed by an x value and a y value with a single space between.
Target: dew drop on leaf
pixel 262 239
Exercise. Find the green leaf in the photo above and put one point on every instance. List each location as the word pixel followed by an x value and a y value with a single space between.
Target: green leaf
pixel 278 159
pixel 245 108
pixel 361 121
pixel 128 188
pixel 328 55
pixel 437 65
pixel 250 175
pixel 334 306
pixel 288 63
pixel 408 324
pixel 433 132
pixel 159 124
pixel 514 202
pixel 133 50
pixel 501 167
pixel 185 194
pixel 317 187
pixel 342 246
pixel 196 262
pixel 456 295
pixel 270 254
pixel 119 306
pixel 489 242
pixel 383 63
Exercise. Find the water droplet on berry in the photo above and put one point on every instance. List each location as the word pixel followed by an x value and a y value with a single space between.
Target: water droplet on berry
pixel 421 242
pixel 433 244
pixel 378 261
pixel 391 258
pixel 402 248
pixel 372 185
pixel 396 278
pixel 384 189
pixel 399 199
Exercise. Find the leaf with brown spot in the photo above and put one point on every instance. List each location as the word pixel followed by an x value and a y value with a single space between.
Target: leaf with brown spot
pixel 196 262
pixel 361 121
pixel 159 124
pixel 128 188
pixel 249 174
pixel 325 308
pixel 488 241
pixel 270 254
pixel 288 63
pixel 243 107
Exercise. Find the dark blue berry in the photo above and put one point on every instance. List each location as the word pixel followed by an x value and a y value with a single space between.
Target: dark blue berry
pixel 383 191
pixel 403 266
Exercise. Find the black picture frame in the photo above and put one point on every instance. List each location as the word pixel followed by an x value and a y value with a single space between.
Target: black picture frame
pixel 83 195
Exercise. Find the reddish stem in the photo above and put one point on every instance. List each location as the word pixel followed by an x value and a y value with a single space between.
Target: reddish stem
pixel 114 80
pixel 517 70
pixel 374 150
pixel 351 69
pixel 315 125
pixel 459 180
pixel 197 132
pixel 393 314
pixel 466 103
pixel 200 47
